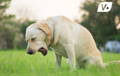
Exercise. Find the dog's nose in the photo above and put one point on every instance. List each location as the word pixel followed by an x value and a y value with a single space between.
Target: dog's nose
pixel 30 52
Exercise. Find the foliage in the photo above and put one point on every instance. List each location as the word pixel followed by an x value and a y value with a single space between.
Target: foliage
pixel 11 30
pixel 101 25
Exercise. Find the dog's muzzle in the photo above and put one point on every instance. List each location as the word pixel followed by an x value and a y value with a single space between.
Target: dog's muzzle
pixel 43 51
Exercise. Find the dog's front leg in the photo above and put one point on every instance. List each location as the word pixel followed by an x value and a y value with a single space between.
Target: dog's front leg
pixel 71 56
pixel 58 60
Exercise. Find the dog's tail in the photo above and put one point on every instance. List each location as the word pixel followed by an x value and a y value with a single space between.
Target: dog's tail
pixel 113 62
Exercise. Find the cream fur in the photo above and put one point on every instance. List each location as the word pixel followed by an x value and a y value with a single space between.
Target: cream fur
pixel 69 39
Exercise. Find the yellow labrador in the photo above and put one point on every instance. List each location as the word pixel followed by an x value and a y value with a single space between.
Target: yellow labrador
pixel 69 39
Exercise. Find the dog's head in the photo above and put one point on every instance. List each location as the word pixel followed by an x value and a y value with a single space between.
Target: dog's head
pixel 38 37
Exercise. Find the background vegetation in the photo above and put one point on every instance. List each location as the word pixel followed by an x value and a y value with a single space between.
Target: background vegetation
pixel 101 25
pixel 11 30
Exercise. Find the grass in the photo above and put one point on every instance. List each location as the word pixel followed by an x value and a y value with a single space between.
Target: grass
pixel 18 63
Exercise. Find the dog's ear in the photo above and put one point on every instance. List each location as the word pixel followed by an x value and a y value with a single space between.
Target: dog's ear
pixel 43 26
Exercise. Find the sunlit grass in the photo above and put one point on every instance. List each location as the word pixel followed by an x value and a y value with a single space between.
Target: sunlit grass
pixel 18 63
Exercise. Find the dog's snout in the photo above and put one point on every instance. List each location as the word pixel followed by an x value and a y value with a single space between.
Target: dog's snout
pixel 30 52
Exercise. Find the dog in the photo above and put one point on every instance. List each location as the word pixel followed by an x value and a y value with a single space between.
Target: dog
pixel 67 38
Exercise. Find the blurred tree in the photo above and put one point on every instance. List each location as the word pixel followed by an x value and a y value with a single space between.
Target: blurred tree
pixel 101 25
pixel 11 30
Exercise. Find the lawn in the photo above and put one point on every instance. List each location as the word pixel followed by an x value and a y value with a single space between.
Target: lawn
pixel 18 63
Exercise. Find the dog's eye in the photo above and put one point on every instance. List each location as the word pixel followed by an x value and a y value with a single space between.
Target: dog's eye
pixel 33 39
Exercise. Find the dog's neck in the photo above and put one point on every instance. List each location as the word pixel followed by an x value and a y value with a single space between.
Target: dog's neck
pixel 52 28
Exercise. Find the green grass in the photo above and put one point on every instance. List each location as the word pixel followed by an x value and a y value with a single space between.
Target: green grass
pixel 18 63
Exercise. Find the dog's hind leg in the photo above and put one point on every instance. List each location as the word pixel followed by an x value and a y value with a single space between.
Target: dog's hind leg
pixel 97 61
